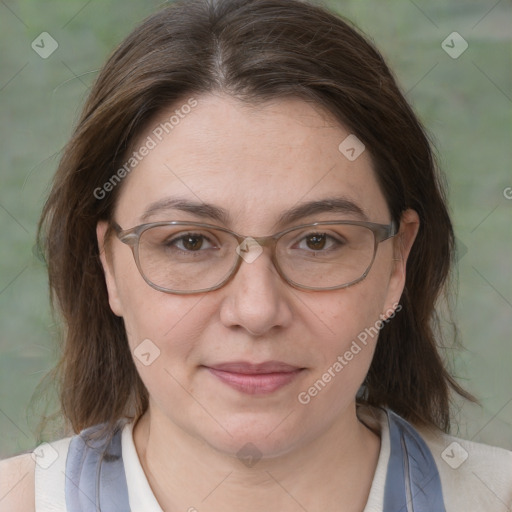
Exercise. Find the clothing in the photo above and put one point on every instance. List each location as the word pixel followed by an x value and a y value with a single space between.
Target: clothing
pixel 480 482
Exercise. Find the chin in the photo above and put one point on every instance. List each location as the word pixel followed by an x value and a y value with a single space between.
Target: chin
pixel 250 435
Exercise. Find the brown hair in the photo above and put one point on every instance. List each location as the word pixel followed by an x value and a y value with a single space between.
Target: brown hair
pixel 254 51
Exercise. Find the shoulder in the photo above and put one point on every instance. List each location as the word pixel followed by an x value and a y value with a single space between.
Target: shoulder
pixel 36 480
pixel 474 476
pixel 17 484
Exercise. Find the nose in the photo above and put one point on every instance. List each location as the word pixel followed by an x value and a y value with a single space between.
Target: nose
pixel 256 298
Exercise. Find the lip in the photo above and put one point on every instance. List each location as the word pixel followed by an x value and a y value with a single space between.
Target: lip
pixel 255 378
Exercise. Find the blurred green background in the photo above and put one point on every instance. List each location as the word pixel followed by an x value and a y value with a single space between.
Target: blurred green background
pixel 464 102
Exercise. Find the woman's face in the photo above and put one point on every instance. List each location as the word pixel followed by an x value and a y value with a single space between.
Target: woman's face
pixel 254 163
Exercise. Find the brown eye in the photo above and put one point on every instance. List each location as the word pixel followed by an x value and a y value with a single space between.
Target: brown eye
pixel 188 242
pixel 316 241
pixel 192 243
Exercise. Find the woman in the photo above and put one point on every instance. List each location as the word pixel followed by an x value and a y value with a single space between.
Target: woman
pixel 246 238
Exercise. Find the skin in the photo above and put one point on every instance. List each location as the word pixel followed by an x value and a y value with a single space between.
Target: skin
pixel 255 162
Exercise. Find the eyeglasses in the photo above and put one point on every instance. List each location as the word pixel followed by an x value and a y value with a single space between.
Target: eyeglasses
pixel 192 257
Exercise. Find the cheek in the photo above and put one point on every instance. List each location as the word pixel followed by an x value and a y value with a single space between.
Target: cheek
pixel 164 334
pixel 160 317
pixel 348 312
pixel 147 313
pixel 162 325
pixel 344 354
pixel 348 324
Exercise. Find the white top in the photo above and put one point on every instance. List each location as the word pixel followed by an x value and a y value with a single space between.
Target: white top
pixel 140 495
pixel 474 477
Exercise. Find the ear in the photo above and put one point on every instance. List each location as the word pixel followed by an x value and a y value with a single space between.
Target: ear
pixel 409 226
pixel 108 268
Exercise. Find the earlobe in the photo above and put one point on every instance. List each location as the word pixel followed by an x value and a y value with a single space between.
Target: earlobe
pixel 107 263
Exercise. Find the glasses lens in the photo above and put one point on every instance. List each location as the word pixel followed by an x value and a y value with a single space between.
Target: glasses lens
pixel 326 256
pixel 186 258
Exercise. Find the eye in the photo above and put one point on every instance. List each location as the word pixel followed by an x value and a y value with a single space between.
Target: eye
pixel 190 242
pixel 318 242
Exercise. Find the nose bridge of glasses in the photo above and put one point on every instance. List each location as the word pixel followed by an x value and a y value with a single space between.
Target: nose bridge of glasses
pixel 251 241
pixel 251 248
pixel 264 241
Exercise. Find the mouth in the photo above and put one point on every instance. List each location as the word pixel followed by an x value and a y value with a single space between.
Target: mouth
pixel 255 379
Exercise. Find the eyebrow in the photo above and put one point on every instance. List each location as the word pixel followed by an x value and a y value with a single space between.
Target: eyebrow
pixel 212 212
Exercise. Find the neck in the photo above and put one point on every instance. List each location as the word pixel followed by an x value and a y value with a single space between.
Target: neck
pixel 185 473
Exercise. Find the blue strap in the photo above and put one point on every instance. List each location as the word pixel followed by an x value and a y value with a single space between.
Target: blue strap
pixel 96 481
pixel 412 481
pixel 95 477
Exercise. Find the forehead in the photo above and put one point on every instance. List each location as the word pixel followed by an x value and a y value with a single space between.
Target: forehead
pixel 254 161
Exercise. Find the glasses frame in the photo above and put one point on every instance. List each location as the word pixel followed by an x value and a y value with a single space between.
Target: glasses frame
pixel 131 237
